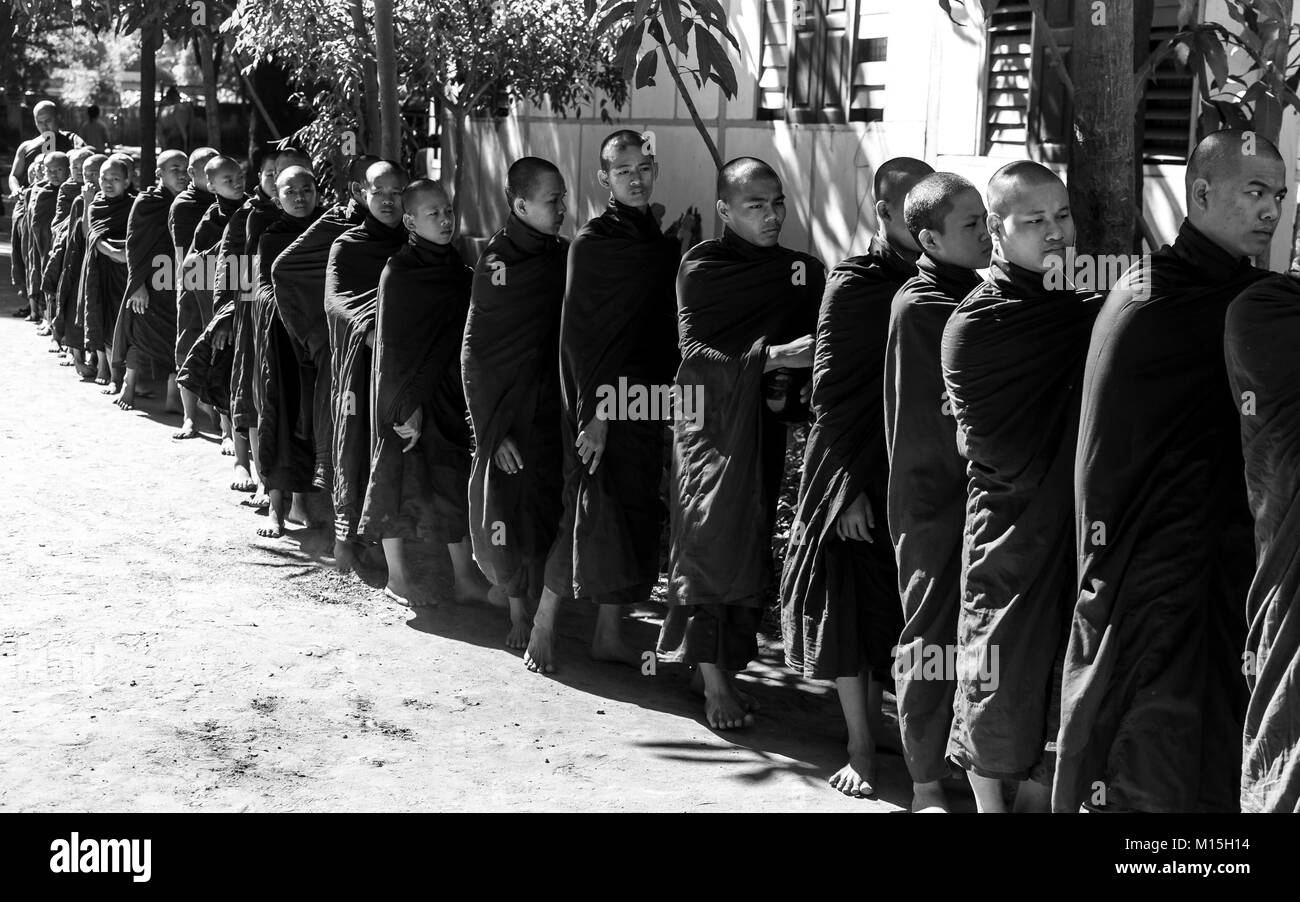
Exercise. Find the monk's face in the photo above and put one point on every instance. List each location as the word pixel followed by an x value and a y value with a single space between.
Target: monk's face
pixel 1036 225
pixel 544 208
pixel 964 240
pixel 56 171
pixel 296 194
pixel 47 120
pixel 384 197
pixel 173 173
pixel 266 175
pixel 755 211
pixel 35 172
pixel 432 217
pixel 113 179
pixel 228 182
pixel 1239 209
pixel 198 177
pixel 631 177
pixel 90 172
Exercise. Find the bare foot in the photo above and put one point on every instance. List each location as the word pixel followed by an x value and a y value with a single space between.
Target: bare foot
pixel 345 557
pixel 746 700
pixel 614 651
pixel 520 630
pixel 929 798
pixel 498 597
pixel 858 777
pixel 127 399
pixel 227 446
pixel 65 360
pixel 471 589
pixel 243 481
pixel 723 711
pixel 298 514
pixel 187 430
pixel 405 594
pixel 260 499
pixel 112 387
pixel 540 656
pixel 274 528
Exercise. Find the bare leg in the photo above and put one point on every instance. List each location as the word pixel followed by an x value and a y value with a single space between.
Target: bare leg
pixel 1032 798
pixel 722 709
pixel 228 439
pixel 173 403
pixel 470 585
pixel 104 373
pixel 259 496
pixel 540 656
pixel 275 512
pixel 520 624
pixel 189 408
pixel 127 399
pixel 607 642
pixel 858 777
pixel 345 556
pixel 243 475
pixel 399 587
pixel 298 511
pixel 929 798
pixel 988 794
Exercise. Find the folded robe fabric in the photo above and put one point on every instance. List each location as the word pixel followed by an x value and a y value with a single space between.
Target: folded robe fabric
pixel 420 322
pixel 68 192
pixel 357 259
pixel 839 597
pixel 734 299
pixel 1013 354
pixel 67 324
pixel 103 281
pixel 243 406
pixel 187 211
pixel 206 371
pixel 926 508
pixel 232 282
pixel 284 456
pixel 618 329
pixel 40 219
pixel 509 364
pixel 1260 341
pixel 146 342
pixel 1152 691
pixel 299 274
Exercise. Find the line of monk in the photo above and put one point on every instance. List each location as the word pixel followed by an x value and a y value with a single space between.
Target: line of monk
pixel 1025 505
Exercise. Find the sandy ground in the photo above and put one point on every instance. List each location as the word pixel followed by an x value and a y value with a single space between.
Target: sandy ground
pixel 155 654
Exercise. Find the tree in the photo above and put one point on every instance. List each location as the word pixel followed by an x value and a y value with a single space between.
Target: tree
pixel 671 23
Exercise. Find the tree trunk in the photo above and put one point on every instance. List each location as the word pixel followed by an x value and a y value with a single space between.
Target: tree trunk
pixel 1102 190
pixel 390 114
pixel 460 117
pixel 1143 12
pixel 211 109
pixel 371 127
pixel 148 99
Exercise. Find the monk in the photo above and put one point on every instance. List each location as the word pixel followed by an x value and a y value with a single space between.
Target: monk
pixel 420 468
pixel 68 320
pixel 357 259
pixel 840 612
pixel 68 192
pixel 145 340
pixel 747 308
pixel 1153 697
pixel 1263 327
pixel 299 274
pixel 1013 355
pixel 618 341
pixel 188 209
pixel 510 368
pixel 36 173
pixel 104 272
pixel 40 213
pixel 284 456
pixel 927 477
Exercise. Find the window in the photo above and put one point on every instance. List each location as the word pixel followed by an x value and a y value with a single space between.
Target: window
pixel 823 60
pixel 1026 106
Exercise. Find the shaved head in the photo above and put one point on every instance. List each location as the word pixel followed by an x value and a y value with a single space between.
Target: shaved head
pixel 45 106
pixel 358 166
pixel 292 156
pixel 221 163
pixel 618 141
pixel 118 162
pixel 741 173
pixel 376 171
pixel 896 177
pixel 1224 152
pixel 427 211
pixel 525 177
pixel 168 156
pixel 224 176
pixel 1012 185
pixel 199 158
pixel 1236 185
pixel 421 192
pixel 291 172
pixel 931 200
pixel 56 158
pixel 79 156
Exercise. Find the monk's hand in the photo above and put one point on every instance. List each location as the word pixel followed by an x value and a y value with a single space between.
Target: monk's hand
pixel 507 456
pixel 221 336
pixel 857 521
pixel 797 354
pixel 410 430
pixel 591 443
pixel 140 300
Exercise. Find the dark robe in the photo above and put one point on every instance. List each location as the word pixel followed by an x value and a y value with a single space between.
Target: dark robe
pixel 27 152
pixel 299 275
pixel 1153 695
pixel 734 299
pixel 357 259
pixel 420 323
pixel 54 262
pixel 146 342
pixel 188 210
pixel 103 281
pixel 284 455
pixel 232 297
pixel 1013 355
pixel 926 507
pixel 40 217
pixel 618 329
pixel 205 371
pixel 67 324
pixel 840 612
pixel 1261 341
pixel 510 368
pixel 243 397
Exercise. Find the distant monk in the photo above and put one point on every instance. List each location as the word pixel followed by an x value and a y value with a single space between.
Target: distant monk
pixel 205 372
pixel 357 259
pixel 420 467
pixel 283 455
pixel 36 173
pixel 46 116
pixel 300 296
pixel 1013 355
pixel 510 365
pixel 927 477
pixel 618 343
pixel 68 192
pixel 1153 697
pixel 747 308
pixel 840 612
pixel 68 320
pixel 1263 333
pixel 188 209
pixel 40 213
pixel 145 340
pixel 104 273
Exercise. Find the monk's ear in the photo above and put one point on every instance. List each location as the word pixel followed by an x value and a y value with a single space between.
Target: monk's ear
pixel 1199 196
pixel 994 223
pixel 517 207
pixel 882 211
pixel 724 211
pixel 602 177
pixel 925 238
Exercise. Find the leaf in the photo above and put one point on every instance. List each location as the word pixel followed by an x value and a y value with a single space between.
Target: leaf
pixel 642 10
pixel 672 16
pixel 626 50
pixel 724 74
pixel 1211 121
pixel 613 13
pixel 1212 52
pixel 646 69
pixel 1267 118
pixel 704 50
